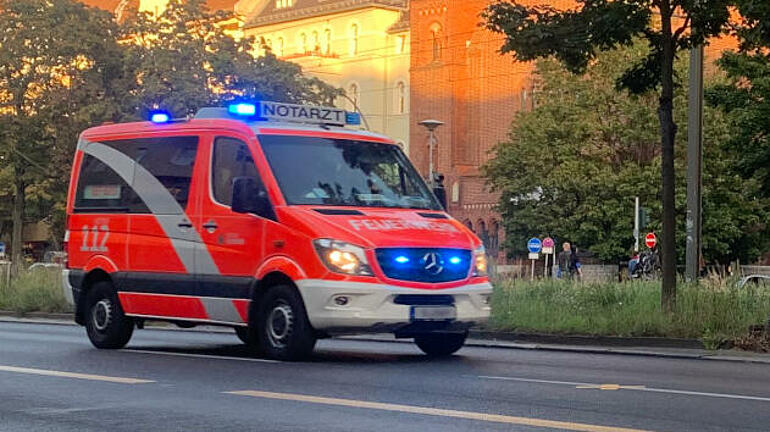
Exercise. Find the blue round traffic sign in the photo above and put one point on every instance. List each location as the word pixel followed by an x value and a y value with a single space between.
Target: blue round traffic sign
pixel 534 245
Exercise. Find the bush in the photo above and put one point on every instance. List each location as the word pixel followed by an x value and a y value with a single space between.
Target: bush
pixel 38 290
pixel 713 312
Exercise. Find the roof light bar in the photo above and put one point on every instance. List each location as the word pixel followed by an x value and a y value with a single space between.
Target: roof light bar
pixel 160 117
pixel 242 109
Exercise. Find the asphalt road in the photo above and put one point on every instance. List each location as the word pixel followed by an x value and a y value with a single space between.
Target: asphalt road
pixel 51 379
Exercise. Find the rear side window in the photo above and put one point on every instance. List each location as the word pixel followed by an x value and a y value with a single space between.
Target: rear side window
pixel 231 159
pixel 170 160
pixel 100 189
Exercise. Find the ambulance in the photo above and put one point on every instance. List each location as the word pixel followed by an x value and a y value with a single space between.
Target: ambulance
pixel 288 223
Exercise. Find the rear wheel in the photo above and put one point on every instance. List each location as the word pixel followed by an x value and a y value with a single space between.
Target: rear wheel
pixel 106 324
pixel 440 344
pixel 284 330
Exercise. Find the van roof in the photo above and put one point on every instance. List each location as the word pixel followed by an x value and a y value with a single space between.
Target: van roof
pixel 257 127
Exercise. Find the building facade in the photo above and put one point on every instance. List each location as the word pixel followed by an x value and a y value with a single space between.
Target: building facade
pixel 361 46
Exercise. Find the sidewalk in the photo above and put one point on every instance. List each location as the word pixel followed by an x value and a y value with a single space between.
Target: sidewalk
pixel 649 347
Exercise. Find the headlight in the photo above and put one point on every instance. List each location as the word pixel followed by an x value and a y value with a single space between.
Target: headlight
pixel 342 257
pixel 480 261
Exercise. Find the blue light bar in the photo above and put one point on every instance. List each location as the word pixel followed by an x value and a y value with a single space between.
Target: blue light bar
pixel 242 109
pixel 401 259
pixel 455 260
pixel 352 118
pixel 160 117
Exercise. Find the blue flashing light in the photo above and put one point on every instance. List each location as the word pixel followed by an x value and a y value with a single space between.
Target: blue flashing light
pixel 160 117
pixel 242 109
pixel 455 260
pixel 401 259
pixel 352 118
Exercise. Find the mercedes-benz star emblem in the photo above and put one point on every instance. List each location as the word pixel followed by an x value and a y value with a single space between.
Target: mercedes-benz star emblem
pixel 433 263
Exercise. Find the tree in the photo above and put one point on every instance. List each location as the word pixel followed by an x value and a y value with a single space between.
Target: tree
pixel 183 60
pixel 575 36
pixel 572 167
pixel 57 59
pixel 746 97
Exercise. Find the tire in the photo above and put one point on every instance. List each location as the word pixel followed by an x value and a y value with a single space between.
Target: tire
pixel 106 324
pixel 440 344
pixel 283 329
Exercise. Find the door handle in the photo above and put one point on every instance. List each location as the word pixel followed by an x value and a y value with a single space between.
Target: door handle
pixel 210 226
pixel 185 224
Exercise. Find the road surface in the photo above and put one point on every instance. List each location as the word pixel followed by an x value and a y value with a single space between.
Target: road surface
pixel 51 379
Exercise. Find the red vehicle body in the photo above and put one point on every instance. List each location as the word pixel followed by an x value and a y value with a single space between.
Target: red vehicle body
pixel 228 221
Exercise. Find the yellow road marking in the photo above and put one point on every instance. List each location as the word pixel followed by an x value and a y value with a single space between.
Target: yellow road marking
pixel 411 409
pixel 91 377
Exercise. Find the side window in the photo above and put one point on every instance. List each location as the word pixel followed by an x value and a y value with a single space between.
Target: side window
pixel 231 159
pixel 170 160
pixel 100 189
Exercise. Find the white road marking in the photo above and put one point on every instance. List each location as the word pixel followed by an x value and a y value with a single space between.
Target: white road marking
pixel 204 356
pixel 629 387
pixel 53 373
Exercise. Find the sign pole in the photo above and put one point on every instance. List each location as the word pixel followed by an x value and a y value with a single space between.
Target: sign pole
pixel 694 165
pixel 636 224
pixel 532 277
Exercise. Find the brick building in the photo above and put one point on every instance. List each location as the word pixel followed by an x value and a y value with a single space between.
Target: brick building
pixel 459 77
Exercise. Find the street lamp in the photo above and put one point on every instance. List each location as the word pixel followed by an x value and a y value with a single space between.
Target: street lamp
pixel 431 125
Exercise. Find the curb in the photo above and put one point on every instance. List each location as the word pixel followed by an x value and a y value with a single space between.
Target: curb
pixel 488 339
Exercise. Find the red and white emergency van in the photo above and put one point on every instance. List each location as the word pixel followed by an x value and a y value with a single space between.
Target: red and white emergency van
pixel 274 219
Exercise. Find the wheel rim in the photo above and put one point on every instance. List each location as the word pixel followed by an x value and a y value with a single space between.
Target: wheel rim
pixel 101 314
pixel 280 323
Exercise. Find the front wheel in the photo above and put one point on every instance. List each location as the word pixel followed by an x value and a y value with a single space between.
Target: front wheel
pixel 284 330
pixel 440 344
pixel 106 324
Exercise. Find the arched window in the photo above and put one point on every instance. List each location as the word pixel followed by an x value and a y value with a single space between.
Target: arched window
pixel 494 238
pixel 469 224
pixel 482 232
pixel 327 41
pixel 302 43
pixel 315 42
pixel 354 93
pixel 353 39
pixel 436 33
pixel 400 97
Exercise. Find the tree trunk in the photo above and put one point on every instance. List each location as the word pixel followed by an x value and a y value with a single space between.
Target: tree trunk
pixel 668 133
pixel 17 257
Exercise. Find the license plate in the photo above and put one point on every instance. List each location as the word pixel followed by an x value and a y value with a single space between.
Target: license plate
pixel 433 313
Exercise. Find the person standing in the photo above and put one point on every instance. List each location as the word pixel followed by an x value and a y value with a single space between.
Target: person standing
pixel 575 265
pixel 564 261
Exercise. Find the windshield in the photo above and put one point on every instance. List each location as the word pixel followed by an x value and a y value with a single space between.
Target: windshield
pixel 340 172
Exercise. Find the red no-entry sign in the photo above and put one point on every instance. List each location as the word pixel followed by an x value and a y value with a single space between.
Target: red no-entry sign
pixel 650 240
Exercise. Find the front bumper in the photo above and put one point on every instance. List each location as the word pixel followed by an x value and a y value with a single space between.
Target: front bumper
pixel 371 306
pixel 66 287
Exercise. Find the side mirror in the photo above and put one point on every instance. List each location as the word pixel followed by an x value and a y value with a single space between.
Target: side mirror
pixel 249 197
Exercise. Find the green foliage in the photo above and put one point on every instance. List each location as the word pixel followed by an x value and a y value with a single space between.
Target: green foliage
pixel 575 37
pixel 37 290
pixel 183 61
pixel 572 167
pixel 746 96
pixel 712 313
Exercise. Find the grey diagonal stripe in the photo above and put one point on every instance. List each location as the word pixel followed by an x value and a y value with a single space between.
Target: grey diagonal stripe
pixel 161 203
pixel 221 309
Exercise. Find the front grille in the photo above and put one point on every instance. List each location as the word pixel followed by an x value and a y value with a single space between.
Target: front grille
pixel 424 264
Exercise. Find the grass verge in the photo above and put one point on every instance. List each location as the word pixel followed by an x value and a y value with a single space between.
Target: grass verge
pixel 38 290
pixel 712 312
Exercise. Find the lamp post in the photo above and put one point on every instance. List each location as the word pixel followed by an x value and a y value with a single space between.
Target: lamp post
pixel 431 125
